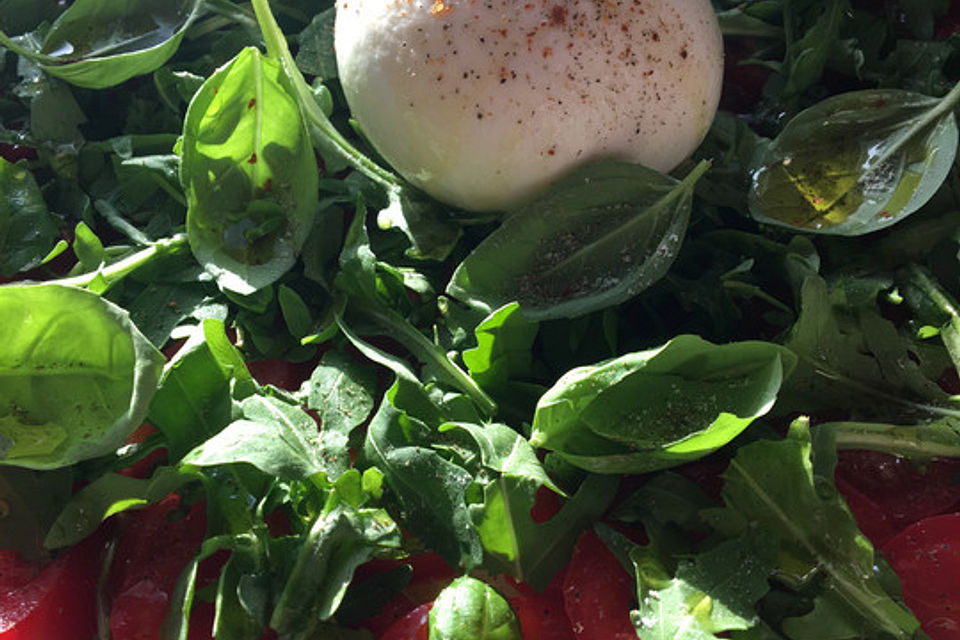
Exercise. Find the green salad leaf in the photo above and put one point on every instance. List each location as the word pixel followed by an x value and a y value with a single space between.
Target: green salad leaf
pixel 72 345
pixel 249 176
pixel 655 409
pixel 468 608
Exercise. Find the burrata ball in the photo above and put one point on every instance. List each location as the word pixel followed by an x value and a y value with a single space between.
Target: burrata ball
pixel 483 103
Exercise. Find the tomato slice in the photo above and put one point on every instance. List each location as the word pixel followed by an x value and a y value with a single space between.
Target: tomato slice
pixel 154 547
pixel 543 616
pixel 926 556
pixel 55 601
pixel 598 593
pixel 902 493
pixel 413 626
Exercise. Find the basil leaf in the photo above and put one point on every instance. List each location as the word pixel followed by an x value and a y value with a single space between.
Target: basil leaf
pixel 602 235
pixel 856 162
pixel 249 174
pixel 77 375
pixel 469 609
pixel 101 43
pixel 654 409
pixel 27 230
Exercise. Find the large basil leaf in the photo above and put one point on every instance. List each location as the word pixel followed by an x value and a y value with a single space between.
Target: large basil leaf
pixel 602 235
pixel 654 409
pixel 472 610
pixel 856 162
pixel 249 173
pixel 27 230
pixel 101 43
pixel 77 375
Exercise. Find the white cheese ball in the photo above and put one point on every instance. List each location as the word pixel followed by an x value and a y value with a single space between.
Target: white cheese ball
pixel 483 103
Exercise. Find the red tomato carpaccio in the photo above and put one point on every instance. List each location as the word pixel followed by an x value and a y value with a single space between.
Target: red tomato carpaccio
pixel 54 601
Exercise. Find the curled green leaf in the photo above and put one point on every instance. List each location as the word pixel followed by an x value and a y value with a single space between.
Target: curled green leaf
pixel 101 43
pixel 71 345
pixel 658 408
pixel 857 162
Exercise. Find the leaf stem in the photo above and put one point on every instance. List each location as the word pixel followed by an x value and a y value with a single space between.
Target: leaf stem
pixel 946 104
pixel 410 337
pixel 913 442
pixel 932 289
pixel 277 48
pixel 883 396
pixel 118 270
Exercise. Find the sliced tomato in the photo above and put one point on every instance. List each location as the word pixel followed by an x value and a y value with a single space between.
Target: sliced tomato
pixel 281 373
pixel 543 616
pixel 901 492
pixel 431 574
pixel 598 593
pixel 926 556
pixel 15 152
pixel 413 626
pixel 156 543
pixel 872 520
pixel 55 601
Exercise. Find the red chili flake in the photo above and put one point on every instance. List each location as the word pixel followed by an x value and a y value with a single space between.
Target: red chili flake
pixel 268 185
pixel 253 158
pixel 252 103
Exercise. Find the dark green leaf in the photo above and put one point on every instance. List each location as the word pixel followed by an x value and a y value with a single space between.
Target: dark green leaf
pixel 716 591
pixel 315 55
pixel 278 438
pixel 430 490
pixel 27 230
pixel 337 543
pixel 341 390
pixel 771 484
pixel 602 235
pixel 107 495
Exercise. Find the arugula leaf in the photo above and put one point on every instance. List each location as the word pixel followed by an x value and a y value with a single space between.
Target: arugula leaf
pixel 278 438
pixel 430 490
pixel 341 390
pixel 468 609
pixel 716 591
pixel 72 345
pixel 770 485
pixel 851 357
pixel 337 543
pixel 27 230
